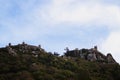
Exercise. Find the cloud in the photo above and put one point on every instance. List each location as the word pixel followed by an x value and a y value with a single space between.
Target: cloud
pixel 112 45
pixel 72 12
pixel 81 13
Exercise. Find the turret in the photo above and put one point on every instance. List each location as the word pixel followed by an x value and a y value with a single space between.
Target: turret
pixel 39 46
pixel 95 48
pixel 9 44
pixel 66 49
pixel 23 43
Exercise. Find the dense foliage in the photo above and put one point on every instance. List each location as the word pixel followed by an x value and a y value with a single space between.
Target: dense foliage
pixel 46 66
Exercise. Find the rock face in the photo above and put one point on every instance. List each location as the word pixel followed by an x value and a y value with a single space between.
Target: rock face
pixel 11 51
pixel 110 58
pixel 91 55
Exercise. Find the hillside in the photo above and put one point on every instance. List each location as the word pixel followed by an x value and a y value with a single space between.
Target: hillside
pixel 29 62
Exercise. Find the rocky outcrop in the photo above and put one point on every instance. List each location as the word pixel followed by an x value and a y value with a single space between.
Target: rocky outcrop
pixel 110 59
pixel 11 51
pixel 91 55
pixel 24 48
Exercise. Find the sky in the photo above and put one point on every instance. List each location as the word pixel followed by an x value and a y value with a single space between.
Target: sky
pixel 57 24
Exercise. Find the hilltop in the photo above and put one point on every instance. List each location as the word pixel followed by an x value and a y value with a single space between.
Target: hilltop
pixel 29 62
pixel 91 55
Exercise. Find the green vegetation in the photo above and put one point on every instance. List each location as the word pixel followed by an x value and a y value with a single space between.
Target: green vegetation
pixel 46 66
